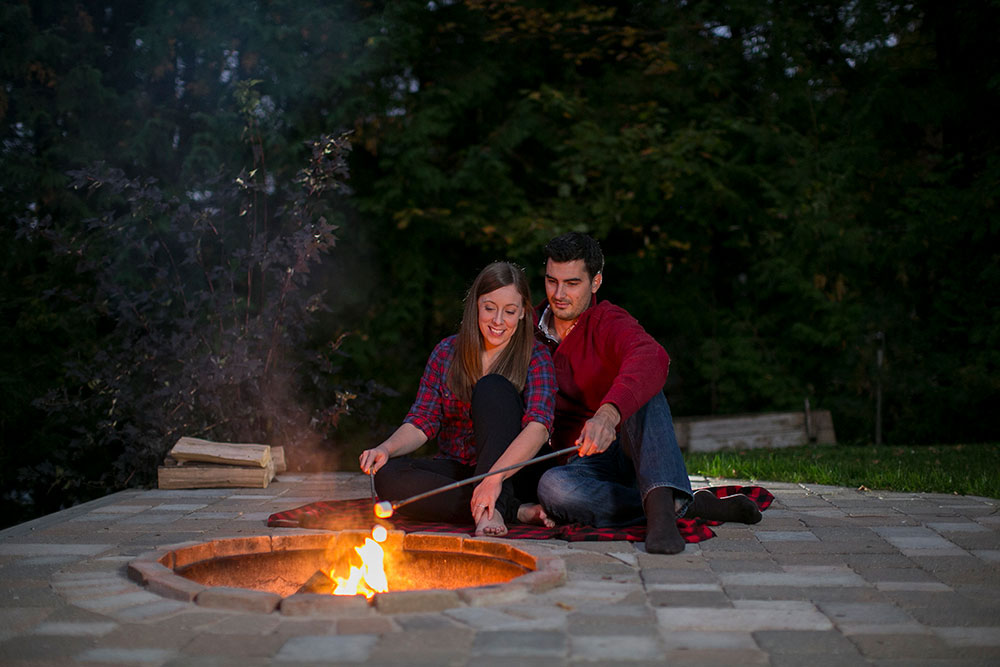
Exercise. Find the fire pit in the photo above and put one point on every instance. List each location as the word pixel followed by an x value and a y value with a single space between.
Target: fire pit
pixel 295 573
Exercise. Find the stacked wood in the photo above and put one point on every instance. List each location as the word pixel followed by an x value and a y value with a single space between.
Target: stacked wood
pixel 193 463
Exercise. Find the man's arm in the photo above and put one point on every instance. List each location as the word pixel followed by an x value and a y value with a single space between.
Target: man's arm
pixel 642 371
pixel 642 363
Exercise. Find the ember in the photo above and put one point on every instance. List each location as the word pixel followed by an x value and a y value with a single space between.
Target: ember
pixel 369 578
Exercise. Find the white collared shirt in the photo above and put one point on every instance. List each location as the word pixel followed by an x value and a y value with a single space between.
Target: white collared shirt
pixel 545 325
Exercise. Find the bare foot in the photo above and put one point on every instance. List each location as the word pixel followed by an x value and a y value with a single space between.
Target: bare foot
pixel 533 514
pixel 494 527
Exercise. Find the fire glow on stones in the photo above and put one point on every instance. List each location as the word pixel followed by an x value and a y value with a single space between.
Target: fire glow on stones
pixel 369 578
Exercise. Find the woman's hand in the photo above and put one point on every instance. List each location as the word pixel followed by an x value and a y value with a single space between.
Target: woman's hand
pixel 484 497
pixel 373 459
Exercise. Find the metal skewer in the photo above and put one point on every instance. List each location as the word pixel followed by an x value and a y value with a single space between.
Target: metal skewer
pixel 386 509
pixel 371 476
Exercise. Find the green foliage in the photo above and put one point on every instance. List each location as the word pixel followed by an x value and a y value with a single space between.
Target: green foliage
pixel 167 278
pixel 779 188
pixel 772 186
pixel 960 469
pixel 207 306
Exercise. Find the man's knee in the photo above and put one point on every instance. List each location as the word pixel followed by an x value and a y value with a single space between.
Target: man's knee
pixel 559 488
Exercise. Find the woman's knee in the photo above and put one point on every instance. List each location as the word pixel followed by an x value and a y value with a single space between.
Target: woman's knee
pixel 391 478
pixel 496 407
pixel 492 388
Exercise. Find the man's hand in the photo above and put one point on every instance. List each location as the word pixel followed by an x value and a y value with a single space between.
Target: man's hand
pixel 598 432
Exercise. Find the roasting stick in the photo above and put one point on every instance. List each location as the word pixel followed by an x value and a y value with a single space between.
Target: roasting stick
pixel 385 509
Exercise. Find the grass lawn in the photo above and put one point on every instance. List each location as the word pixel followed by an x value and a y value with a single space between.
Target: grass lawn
pixel 963 469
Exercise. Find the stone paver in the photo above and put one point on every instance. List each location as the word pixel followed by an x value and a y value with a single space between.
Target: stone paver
pixel 327 648
pixel 831 576
pixel 74 629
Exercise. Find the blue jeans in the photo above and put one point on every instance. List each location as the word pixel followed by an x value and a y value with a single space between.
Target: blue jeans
pixel 607 489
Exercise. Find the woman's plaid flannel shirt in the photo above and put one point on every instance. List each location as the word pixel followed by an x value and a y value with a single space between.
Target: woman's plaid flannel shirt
pixel 438 412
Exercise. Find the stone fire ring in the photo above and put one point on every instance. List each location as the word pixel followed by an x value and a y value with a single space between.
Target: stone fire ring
pixel 157 571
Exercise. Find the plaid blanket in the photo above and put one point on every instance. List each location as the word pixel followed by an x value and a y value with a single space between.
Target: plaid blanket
pixel 357 513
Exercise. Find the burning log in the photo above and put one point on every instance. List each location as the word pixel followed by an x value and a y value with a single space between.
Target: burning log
pixel 320 582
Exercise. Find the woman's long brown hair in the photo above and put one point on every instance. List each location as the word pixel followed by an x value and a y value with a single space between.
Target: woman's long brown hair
pixel 513 361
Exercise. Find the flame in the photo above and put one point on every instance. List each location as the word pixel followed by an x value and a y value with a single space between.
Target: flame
pixel 370 578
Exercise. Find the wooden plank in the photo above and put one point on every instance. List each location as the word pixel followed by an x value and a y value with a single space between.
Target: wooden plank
pixel 195 449
pixel 736 425
pixel 181 475
pixel 770 430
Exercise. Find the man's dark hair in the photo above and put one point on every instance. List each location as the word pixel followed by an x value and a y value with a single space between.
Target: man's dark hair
pixel 573 246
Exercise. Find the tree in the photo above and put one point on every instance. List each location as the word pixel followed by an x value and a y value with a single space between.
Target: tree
pixel 739 160
pixel 140 263
pixel 778 187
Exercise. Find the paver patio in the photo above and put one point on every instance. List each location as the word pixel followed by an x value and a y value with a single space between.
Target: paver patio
pixel 831 576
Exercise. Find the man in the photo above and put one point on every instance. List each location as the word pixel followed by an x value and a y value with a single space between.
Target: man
pixel 610 404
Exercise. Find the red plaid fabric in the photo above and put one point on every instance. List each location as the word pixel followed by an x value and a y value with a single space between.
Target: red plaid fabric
pixel 438 413
pixel 358 514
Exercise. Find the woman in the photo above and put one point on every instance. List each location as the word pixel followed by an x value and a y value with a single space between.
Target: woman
pixel 488 395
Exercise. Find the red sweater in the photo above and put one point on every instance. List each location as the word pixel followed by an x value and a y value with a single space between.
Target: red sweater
pixel 606 358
